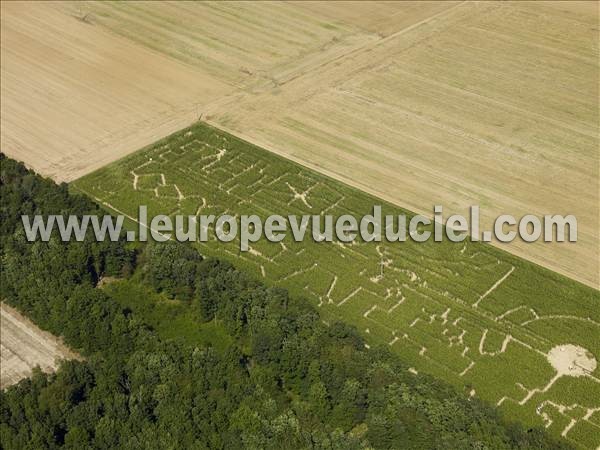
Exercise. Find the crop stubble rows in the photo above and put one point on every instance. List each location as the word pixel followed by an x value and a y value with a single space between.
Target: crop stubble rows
pixel 418 103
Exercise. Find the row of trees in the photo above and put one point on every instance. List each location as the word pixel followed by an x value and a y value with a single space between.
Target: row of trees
pixel 288 381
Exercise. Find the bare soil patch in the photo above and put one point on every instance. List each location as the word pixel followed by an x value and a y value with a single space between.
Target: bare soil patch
pixel 24 346
pixel 572 360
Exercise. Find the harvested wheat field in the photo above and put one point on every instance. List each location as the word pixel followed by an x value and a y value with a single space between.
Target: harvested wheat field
pixel 78 92
pixel 452 103
pixel 24 346
pixel 75 97
pixel 492 104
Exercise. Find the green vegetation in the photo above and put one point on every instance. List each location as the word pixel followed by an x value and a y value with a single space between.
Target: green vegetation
pixel 433 303
pixel 283 379
pixel 171 319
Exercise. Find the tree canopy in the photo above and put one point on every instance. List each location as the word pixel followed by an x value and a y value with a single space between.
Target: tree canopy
pixel 286 381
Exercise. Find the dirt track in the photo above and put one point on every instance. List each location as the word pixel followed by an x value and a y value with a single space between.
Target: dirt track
pixel 421 104
pixel 24 346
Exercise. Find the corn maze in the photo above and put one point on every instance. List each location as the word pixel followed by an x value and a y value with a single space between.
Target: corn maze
pixel 504 330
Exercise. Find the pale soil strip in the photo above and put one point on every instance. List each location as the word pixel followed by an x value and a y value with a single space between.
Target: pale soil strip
pixel 300 196
pixel 508 312
pixel 118 211
pixel 298 272
pixel 568 428
pixel 505 343
pixel 532 392
pixel 389 311
pixel 135 180
pixel 562 409
pixel 561 316
pixel 23 346
pixel 373 308
pixel 349 296
pixel 493 288
pixel 331 288
pixel 180 195
pixel 545 417
pixel 469 367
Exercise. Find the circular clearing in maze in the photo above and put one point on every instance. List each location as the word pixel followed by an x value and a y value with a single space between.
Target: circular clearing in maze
pixel 572 360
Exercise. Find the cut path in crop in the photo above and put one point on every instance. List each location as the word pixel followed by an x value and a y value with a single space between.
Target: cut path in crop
pixel 466 312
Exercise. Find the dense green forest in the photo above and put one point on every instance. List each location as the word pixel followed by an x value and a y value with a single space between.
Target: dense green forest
pixel 155 377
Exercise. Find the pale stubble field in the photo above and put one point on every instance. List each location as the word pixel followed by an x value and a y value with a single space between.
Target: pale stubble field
pixel 418 103
pixel 489 104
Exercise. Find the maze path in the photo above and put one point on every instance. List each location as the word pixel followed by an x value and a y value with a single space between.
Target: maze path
pixel 465 312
